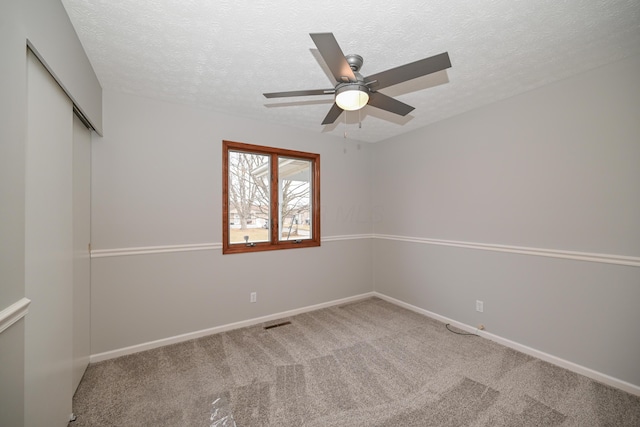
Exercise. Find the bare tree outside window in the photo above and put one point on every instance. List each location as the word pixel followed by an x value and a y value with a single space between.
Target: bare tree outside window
pixel 248 197
pixel 295 206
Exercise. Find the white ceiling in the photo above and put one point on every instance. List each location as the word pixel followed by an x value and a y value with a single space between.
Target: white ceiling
pixel 222 54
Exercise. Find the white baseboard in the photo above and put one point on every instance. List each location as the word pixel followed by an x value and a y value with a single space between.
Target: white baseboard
pixel 223 328
pixel 573 367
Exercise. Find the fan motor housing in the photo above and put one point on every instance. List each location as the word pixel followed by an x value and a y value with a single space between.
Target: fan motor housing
pixel 362 87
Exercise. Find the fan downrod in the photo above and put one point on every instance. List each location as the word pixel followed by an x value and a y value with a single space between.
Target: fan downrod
pixel 354 61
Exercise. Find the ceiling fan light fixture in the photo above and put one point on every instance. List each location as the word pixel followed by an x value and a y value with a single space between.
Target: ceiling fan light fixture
pixel 352 97
pixel 352 90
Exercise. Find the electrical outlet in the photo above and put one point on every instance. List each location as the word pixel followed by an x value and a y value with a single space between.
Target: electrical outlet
pixel 479 306
pixel 253 297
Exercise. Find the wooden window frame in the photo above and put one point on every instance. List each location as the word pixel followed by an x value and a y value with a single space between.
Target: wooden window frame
pixel 275 243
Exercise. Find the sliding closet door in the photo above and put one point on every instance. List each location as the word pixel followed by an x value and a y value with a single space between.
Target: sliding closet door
pixel 48 250
pixel 81 239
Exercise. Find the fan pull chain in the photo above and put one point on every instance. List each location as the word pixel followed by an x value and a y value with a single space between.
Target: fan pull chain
pixel 344 147
pixel 345 124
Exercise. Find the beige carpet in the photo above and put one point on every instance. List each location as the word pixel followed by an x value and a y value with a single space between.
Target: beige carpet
pixel 369 363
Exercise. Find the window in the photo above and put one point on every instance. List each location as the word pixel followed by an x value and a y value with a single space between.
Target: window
pixel 271 198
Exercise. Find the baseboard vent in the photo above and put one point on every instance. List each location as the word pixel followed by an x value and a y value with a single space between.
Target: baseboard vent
pixel 277 325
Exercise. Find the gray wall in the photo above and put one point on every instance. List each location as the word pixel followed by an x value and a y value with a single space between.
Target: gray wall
pixel 556 169
pixel 157 181
pixel 46 25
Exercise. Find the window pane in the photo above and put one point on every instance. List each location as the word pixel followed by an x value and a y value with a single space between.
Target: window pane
pixel 249 206
pixel 294 198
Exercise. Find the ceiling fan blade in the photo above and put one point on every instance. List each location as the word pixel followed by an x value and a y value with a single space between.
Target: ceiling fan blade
pixel 333 114
pixel 300 93
pixel 409 71
pixel 332 54
pixel 387 103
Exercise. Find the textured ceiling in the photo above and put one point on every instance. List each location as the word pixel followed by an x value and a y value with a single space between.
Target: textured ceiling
pixel 222 55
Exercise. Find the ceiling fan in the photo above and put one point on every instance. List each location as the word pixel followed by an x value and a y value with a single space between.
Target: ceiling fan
pixel 353 91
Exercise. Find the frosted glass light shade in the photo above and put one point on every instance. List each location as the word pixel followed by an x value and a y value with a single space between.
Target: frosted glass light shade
pixel 352 99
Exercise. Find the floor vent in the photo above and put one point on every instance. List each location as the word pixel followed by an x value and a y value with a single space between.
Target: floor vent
pixel 277 325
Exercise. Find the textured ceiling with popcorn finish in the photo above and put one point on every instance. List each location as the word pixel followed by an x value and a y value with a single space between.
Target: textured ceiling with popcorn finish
pixel 222 55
